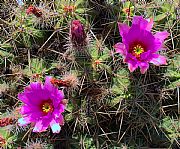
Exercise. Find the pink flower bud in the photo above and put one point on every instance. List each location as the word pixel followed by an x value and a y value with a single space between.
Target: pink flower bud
pixel 77 34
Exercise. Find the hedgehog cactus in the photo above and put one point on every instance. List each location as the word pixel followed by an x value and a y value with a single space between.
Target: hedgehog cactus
pixel 66 81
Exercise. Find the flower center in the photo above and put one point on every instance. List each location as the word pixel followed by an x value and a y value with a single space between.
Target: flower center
pixel 137 50
pixel 47 107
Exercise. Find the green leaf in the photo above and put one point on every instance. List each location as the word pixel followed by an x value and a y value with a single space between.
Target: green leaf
pixel 173 72
pixel 105 54
pixel 5 46
pixel 160 17
pixel 127 4
pixel 120 82
pixel 105 67
pixel 38 65
pixel 6 54
pixel 115 100
pixel 78 17
pixel 94 51
pixel 4 132
pixel 80 10
pixel 166 7
pixel 174 84
pixel 171 125
pixel 79 2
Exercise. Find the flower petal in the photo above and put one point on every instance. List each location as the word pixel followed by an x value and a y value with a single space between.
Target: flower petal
pixel 23 98
pixel 55 126
pixel 41 126
pixel 161 35
pixel 159 39
pixel 33 94
pixel 150 24
pixel 146 56
pixel 48 85
pixel 35 86
pixel 26 109
pixel 137 35
pixel 120 48
pixel 132 65
pixel 158 60
pixel 56 113
pixel 143 67
pixel 24 121
pixel 140 21
pixel 57 97
pixel 123 29
pixel 35 97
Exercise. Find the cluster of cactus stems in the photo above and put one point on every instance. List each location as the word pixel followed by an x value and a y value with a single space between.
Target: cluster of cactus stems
pixel 70 87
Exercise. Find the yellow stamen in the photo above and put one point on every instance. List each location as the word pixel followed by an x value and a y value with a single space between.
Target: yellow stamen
pixel 46 107
pixel 138 50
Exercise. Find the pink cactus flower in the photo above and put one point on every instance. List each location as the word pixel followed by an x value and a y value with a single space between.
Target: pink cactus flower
pixel 43 106
pixel 139 46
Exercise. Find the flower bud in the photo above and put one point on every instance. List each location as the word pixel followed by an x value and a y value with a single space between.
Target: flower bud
pixel 77 34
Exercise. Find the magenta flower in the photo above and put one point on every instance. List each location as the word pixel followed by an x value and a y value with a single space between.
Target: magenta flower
pixel 77 33
pixel 140 46
pixel 43 106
